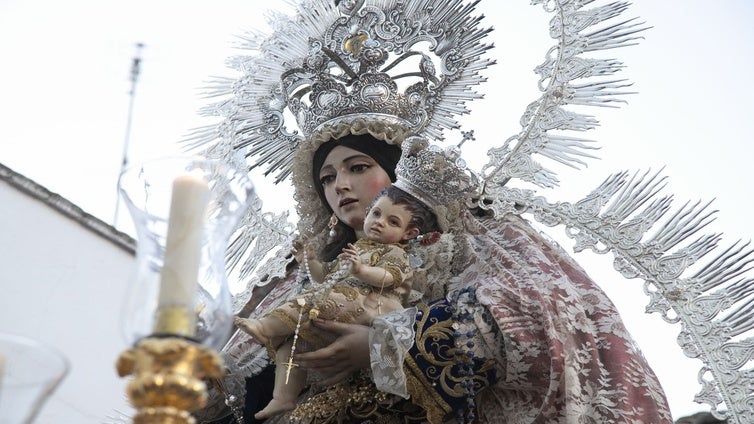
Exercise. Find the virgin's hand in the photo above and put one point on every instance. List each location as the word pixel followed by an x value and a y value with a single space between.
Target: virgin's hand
pixel 348 353
pixel 299 252
pixel 302 251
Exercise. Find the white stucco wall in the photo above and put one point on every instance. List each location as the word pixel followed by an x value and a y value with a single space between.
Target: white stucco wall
pixel 51 271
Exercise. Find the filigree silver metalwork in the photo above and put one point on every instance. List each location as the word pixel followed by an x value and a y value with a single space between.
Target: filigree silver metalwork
pixel 577 30
pixel 714 303
pixel 331 62
pixel 433 175
pixel 259 250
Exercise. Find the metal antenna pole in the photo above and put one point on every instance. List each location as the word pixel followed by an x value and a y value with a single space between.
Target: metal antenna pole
pixel 135 69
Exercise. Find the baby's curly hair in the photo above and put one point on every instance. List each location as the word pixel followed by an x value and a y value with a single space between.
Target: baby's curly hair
pixel 422 216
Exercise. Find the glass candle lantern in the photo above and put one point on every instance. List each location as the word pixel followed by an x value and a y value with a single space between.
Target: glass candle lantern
pixel 184 210
pixel 29 372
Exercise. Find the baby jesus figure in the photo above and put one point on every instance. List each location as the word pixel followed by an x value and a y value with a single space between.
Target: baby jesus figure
pixel 369 278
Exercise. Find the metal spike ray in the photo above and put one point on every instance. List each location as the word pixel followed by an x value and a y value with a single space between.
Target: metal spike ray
pixel 627 214
pixel 562 67
pixel 712 302
pixel 618 216
pixel 285 67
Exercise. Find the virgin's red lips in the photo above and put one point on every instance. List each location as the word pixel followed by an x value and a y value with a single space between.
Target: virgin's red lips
pixel 346 202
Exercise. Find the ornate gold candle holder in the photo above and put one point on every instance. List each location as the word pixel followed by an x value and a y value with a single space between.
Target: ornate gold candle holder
pixel 178 307
pixel 169 378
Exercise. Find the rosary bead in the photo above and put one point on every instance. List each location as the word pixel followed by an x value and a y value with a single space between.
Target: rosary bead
pixel 462 307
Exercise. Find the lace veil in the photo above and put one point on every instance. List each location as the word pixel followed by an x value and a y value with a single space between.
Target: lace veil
pixel 395 69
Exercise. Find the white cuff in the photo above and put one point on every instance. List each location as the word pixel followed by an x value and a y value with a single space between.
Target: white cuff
pixel 390 338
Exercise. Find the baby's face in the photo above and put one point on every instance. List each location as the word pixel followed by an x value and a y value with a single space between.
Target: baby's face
pixel 387 222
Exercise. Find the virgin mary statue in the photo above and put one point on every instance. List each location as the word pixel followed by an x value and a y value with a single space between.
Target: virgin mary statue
pixel 503 325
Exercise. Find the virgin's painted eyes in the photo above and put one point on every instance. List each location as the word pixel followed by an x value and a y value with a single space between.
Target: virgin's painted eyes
pixel 326 179
pixel 361 167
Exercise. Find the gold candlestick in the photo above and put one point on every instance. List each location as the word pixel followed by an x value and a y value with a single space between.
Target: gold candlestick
pixel 178 308
pixel 169 375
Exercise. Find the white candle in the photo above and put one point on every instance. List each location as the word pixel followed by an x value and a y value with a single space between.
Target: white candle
pixel 178 285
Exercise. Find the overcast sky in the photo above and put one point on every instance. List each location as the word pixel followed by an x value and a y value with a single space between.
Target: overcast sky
pixel 65 83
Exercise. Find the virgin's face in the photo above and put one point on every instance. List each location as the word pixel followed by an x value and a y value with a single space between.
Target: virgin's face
pixel 351 181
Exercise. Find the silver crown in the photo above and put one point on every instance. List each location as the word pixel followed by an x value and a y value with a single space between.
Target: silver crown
pixel 411 65
pixel 339 90
pixel 436 176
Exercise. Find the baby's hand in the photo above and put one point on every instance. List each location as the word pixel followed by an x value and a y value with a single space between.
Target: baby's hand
pixel 351 256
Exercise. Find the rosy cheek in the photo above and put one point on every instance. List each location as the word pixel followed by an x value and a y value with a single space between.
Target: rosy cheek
pixel 332 198
pixel 375 185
